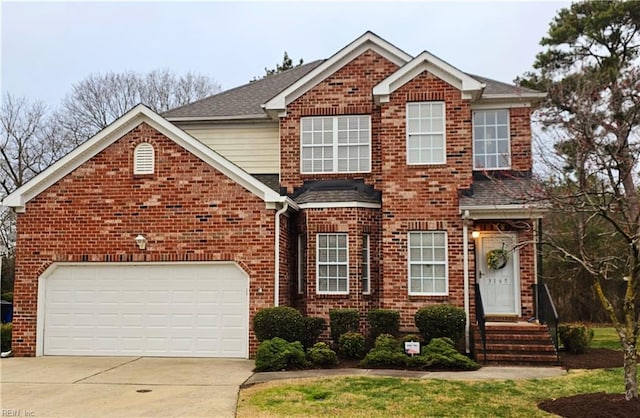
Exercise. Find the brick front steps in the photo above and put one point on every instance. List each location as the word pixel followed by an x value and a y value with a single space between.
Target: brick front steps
pixel 516 343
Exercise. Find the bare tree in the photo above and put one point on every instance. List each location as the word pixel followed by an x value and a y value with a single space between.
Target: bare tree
pixel 99 99
pixel 590 68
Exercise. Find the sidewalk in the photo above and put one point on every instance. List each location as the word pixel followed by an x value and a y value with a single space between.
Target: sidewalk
pixel 484 373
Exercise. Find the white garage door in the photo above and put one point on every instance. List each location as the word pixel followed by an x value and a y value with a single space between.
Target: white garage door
pixel 176 310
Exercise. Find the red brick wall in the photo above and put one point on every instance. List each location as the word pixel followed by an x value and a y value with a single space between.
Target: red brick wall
pixel 187 210
pixel 355 222
pixel 520 127
pixel 422 197
pixel 347 92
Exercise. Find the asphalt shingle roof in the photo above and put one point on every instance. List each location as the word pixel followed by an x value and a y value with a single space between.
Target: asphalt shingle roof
pixel 498 87
pixel 323 191
pixel 495 192
pixel 244 100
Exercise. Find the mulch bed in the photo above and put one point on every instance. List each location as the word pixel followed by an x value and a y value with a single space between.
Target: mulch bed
pixel 601 405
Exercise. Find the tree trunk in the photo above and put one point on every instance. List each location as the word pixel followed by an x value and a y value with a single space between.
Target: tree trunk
pixel 630 370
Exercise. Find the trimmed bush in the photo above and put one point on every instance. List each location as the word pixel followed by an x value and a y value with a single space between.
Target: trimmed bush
pixel 576 338
pixel 321 355
pixel 385 353
pixel 384 321
pixel 287 323
pixel 438 321
pixel 5 336
pixel 440 353
pixel 342 321
pixel 312 328
pixel 278 354
pixel 409 337
pixel 351 345
pixel 8 296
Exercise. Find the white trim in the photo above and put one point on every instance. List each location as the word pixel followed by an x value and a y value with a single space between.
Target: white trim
pixel 444 133
pixel 446 264
pixel 42 286
pixel 368 41
pixel 336 263
pixel 139 114
pixel 488 212
pixel 330 205
pixel 493 105
pixel 470 88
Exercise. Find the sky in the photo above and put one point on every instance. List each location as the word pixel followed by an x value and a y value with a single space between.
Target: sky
pixel 49 46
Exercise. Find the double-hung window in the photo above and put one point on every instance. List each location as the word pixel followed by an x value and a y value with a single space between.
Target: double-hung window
pixel 332 264
pixel 491 147
pixel 426 133
pixel 428 263
pixel 335 144
pixel 366 265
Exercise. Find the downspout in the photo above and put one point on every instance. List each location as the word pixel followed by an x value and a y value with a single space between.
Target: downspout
pixel 465 267
pixel 276 290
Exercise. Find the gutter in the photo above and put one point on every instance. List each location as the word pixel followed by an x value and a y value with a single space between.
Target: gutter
pixel 276 281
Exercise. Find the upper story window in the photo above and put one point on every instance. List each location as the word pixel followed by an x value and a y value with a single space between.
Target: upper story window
pixel 491 147
pixel 332 264
pixel 425 133
pixel 428 263
pixel 143 159
pixel 335 144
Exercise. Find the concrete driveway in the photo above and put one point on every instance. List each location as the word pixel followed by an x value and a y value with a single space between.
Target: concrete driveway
pixel 121 386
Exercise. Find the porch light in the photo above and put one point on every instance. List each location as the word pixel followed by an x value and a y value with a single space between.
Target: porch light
pixel 141 242
pixel 475 234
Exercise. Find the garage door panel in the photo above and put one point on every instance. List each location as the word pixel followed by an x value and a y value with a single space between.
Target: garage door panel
pixel 164 310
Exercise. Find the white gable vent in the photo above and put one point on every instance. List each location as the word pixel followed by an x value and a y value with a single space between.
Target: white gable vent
pixel 143 159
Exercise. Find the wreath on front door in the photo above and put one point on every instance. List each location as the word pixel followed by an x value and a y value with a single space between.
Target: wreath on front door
pixel 497 258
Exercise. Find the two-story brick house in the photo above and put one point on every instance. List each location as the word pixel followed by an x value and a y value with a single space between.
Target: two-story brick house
pixel 370 179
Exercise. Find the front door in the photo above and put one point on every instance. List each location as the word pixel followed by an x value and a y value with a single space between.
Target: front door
pixel 498 273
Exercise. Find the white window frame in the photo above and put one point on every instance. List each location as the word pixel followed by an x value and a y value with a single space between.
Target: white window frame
pixel 142 164
pixel 301 263
pixel 429 150
pixel 421 262
pixel 335 145
pixel 496 153
pixel 327 263
pixel 366 264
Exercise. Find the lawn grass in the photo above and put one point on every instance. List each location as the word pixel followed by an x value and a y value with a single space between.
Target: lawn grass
pixel 384 397
pixel 605 337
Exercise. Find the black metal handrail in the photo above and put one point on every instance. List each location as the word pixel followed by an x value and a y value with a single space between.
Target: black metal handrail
pixel 546 311
pixel 481 320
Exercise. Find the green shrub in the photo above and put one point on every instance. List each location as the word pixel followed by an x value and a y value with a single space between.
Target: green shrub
pixel 575 337
pixel 312 328
pixel 384 321
pixel 8 296
pixel 351 344
pixel 342 321
pixel 441 321
pixel 388 343
pixel 278 354
pixel 440 353
pixel 287 323
pixel 321 355
pixel 409 337
pixel 5 336
pixel 384 358
pixel 385 353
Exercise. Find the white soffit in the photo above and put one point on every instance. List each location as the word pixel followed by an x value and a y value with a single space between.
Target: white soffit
pixel 115 131
pixel 470 87
pixel 368 41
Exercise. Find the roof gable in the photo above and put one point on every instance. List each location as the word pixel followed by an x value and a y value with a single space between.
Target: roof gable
pixel 469 87
pixel 139 114
pixel 368 41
